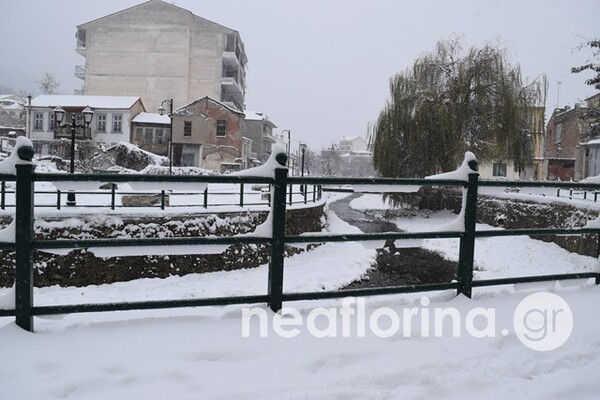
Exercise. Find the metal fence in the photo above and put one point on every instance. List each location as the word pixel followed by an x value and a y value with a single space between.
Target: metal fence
pixel 25 244
pixel 235 195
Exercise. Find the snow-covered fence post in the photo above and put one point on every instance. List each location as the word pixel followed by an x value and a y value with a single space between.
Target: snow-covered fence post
pixel 3 196
pixel 278 208
pixel 467 241
pixel 24 239
pixel 241 195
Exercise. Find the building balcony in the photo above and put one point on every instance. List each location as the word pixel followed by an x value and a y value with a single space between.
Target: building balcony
pixel 230 59
pixel 81 48
pixel 80 71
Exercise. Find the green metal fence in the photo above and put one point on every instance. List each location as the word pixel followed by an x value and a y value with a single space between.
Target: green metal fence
pixel 25 244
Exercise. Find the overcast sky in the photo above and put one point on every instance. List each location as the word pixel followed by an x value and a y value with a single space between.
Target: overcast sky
pixel 321 67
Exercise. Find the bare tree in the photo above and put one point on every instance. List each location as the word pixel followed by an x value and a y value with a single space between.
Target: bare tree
pixel 48 84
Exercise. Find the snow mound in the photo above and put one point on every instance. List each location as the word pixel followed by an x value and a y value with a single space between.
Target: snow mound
pixel 462 172
pixel 7 166
pixel 266 170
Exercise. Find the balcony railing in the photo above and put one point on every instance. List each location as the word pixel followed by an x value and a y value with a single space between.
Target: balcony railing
pixel 80 71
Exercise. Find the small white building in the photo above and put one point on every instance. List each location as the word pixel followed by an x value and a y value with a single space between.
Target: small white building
pixel 353 144
pixel 498 169
pixel 112 122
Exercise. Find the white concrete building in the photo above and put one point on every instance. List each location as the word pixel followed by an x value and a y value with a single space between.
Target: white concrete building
pixel 111 124
pixel 159 51
pixel 352 143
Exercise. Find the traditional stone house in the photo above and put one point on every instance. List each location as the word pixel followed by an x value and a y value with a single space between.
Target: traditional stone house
pixel 208 134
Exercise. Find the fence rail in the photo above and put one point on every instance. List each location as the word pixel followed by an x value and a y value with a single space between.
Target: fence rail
pixel 25 244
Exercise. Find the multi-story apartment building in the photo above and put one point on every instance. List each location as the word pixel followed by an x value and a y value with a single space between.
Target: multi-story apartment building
pixel 157 50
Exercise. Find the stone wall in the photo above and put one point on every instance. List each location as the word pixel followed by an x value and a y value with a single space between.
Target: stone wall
pixel 81 268
pixel 513 214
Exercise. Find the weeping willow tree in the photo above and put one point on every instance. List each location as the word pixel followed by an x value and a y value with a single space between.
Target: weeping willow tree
pixel 449 103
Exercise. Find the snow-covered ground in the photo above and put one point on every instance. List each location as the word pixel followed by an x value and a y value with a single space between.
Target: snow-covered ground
pixel 211 353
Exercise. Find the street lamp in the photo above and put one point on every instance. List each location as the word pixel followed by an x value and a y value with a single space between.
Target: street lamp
pixel 303 147
pixel 59 117
pixel 161 111
pixel 289 132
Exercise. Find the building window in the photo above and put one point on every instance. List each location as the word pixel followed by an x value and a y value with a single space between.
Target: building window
pixel 187 128
pixel 159 136
pixel 101 123
pixel 52 122
pixel 148 135
pixel 558 133
pixel 221 127
pixel 117 125
pixel 499 169
pixel 38 121
pixel 188 160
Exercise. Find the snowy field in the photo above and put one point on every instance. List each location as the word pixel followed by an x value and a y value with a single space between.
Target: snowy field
pixel 213 353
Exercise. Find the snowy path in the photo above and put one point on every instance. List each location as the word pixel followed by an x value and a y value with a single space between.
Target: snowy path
pixel 201 353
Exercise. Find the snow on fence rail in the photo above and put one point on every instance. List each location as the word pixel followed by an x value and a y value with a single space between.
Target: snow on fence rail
pixel 272 232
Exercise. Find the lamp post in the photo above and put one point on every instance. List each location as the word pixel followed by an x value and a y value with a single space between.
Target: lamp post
pixel 59 116
pixel 289 133
pixel 161 111
pixel 303 147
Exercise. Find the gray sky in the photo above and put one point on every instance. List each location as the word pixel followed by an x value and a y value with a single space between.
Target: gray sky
pixel 321 67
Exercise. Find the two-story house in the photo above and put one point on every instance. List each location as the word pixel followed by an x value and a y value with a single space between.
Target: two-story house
pixel 111 123
pixel 208 134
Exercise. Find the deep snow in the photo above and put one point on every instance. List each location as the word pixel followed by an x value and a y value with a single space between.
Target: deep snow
pixel 201 352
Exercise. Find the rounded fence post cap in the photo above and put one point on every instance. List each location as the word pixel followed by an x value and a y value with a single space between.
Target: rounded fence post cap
pixel 281 158
pixel 25 153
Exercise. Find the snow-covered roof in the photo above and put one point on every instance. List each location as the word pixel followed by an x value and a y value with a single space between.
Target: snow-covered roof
pixel 258 116
pixel 151 118
pixel 591 142
pixel 109 102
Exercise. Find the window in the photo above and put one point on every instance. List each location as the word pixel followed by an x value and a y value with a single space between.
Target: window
pixel 139 134
pixel 558 132
pixel 52 122
pixel 38 121
pixel 188 160
pixel 159 136
pixel 221 127
pixel 499 169
pixel 148 135
pixel 187 128
pixel 101 123
pixel 117 125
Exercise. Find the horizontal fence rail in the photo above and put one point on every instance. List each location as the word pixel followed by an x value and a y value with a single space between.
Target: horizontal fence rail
pixel 281 186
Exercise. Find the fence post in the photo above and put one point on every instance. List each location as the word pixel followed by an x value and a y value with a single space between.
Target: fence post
pixel 278 207
pixel 206 197
pixel 3 200
pixel 24 246
pixel 241 195
pixel 112 196
pixel 162 199
pixel 58 199
pixel 467 241
pixel 291 191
